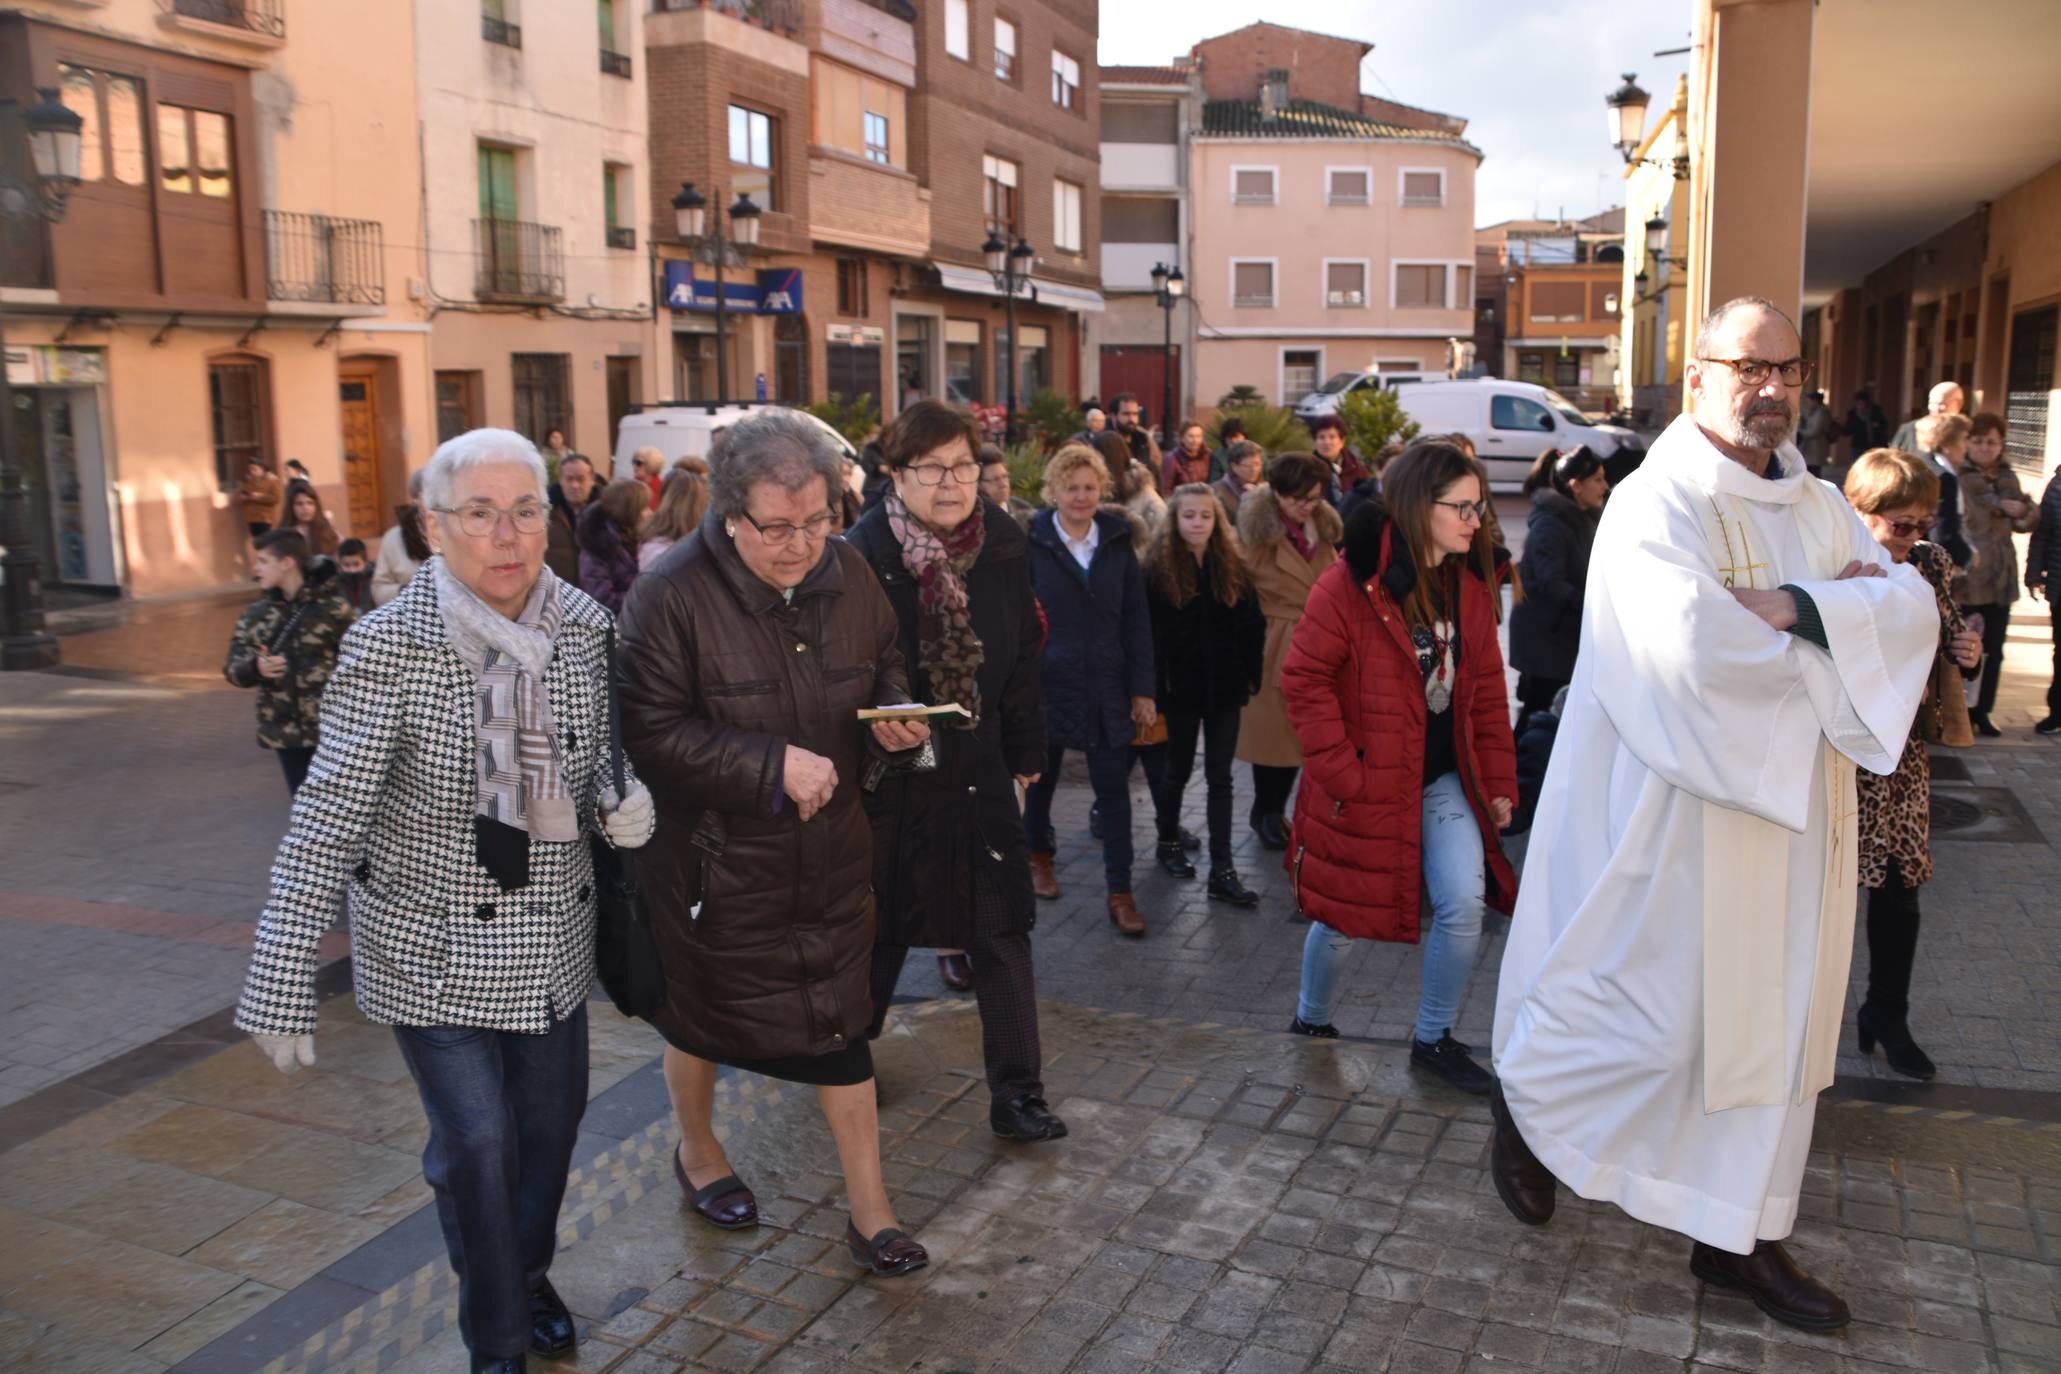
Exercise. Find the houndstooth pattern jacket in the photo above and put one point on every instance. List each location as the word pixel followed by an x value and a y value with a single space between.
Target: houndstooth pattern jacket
pixel 386 813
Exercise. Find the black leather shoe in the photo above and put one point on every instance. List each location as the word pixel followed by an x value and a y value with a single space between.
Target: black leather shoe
pixel 1174 860
pixel 955 972
pixel 1980 720
pixel 1225 886
pixel 1327 1031
pixel 1025 1118
pixel 1095 820
pixel 887 1254
pixel 551 1323
pixel 726 1203
pixel 1272 833
pixel 1525 1185
pixel 1775 1282
pixel 1449 1060
pixel 1898 1048
pixel 506 1364
pixel 2048 725
pixel 1190 841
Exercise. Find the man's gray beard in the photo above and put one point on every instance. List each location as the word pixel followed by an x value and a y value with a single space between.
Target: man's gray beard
pixel 1759 431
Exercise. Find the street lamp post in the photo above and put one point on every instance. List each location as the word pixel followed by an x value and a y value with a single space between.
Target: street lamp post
pixel 54 137
pixel 1010 267
pixel 691 220
pixel 1169 286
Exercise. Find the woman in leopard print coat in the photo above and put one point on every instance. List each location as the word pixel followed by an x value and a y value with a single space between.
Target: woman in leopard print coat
pixel 1895 495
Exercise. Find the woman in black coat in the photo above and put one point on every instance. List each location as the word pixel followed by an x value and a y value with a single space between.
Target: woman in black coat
pixel 950 866
pixel 1567 492
pixel 1209 644
pixel 1097 664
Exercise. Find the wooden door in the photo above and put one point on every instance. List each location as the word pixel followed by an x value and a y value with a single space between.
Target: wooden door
pixel 358 393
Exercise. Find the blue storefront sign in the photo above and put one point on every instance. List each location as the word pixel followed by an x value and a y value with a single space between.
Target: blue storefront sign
pixel 770 291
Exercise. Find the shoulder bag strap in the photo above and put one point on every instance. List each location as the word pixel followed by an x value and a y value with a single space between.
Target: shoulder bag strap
pixel 615 721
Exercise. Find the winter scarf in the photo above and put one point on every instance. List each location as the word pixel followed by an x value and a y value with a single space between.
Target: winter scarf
pixel 951 653
pixel 515 750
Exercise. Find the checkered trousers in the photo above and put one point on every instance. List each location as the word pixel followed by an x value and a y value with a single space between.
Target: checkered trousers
pixel 386 816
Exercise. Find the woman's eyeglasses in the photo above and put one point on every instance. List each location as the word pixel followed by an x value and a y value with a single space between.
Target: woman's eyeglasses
pixel 481 521
pixel 934 474
pixel 1477 511
pixel 1906 529
pixel 782 532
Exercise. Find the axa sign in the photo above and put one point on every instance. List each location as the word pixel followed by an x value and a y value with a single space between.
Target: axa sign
pixel 770 291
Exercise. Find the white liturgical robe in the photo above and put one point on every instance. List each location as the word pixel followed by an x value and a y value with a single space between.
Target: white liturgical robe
pixel 1676 969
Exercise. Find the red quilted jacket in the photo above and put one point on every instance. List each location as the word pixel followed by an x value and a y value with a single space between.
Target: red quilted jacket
pixel 1356 699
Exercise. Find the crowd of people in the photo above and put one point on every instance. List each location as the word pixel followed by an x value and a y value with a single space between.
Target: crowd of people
pixel 748 624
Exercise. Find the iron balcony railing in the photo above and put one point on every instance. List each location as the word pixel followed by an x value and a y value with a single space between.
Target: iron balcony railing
pixel 518 261
pixel 500 31
pixel 622 236
pixel 320 258
pixel 267 17
pixel 615 63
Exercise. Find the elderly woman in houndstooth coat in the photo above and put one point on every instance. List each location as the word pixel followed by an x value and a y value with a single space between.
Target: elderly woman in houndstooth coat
pixel 452 796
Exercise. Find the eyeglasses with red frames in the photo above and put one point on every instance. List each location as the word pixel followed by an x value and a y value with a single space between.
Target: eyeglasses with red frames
pixel 1756 371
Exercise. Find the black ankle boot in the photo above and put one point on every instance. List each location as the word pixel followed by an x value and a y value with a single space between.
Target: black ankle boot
pixel 1174 860
pixel 1980 719
pixel 1225 886
pixel 1898 1048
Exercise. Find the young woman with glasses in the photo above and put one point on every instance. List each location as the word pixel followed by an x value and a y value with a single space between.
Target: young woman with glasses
pixel 1394 684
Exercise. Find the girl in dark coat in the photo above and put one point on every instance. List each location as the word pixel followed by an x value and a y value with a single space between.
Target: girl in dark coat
pixel 950 866
pixel 1097 666
pixel 1395 685
pixel 1209 644
pixel 1567 492
pixel 608 541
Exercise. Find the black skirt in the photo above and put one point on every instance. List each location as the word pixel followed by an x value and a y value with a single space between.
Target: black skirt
pixel 839 1069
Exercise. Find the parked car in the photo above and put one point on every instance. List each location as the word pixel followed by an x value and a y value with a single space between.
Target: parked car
pixel 1511 422
pixel 684 431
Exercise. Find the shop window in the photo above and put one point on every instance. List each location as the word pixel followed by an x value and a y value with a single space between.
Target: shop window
pixel 962 362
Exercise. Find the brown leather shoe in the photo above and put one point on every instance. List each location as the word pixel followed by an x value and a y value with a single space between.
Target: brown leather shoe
pixel 1775 1282
pixel 1044 882
pixel 1525 1185
pixel 726 1202
pixel 1124 912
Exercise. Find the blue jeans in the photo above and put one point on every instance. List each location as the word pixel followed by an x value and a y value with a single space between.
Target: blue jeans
pixel 503 1111
pixel 1456 872
pixel 1109 773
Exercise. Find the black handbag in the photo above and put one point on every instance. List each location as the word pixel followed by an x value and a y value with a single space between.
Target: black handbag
pixel 625 951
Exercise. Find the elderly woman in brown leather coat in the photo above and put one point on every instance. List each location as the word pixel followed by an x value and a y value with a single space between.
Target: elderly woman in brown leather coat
pixel 745 657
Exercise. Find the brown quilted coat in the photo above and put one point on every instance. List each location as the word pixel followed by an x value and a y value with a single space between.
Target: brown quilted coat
pixel 719 676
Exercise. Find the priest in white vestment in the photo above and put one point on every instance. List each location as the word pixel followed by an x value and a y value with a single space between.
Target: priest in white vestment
pixel 1672 988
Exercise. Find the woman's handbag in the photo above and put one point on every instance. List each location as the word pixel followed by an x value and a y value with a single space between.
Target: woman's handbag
pixel 1943 715
pixel 625 951
pixel 1145 736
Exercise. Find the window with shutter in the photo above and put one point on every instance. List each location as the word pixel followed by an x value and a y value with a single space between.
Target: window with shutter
pixel 1556 302
pixel 1420 286
pixel 958 29
pixel 1424 188
pixel 1066 216
pixel 1345 284
pixel 1252 283
pixel 1252 185
pixel 1348 186
pixel 1005 50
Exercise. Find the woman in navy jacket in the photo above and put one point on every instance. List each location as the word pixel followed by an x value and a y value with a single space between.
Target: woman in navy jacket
pixel 1097 664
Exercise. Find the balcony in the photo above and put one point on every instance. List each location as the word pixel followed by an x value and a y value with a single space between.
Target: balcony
pixel 1128 266
pixel 518 262
pixel 1141 166
pixel 258 22
pixel 615 63
pixel 500 31
pixel 622 236
pixel 320 260
pixel 861 204
pixel 780 16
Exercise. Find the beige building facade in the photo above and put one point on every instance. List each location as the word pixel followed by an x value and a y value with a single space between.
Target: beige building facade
pixel 221 287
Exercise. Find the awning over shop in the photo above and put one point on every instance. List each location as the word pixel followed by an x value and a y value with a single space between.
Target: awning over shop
pixel 976 282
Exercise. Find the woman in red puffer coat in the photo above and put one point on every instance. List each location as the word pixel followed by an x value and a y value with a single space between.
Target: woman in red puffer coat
pixel 1394 684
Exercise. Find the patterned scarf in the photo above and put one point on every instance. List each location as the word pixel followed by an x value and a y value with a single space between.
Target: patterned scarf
pixel 515 750
pixel 951 653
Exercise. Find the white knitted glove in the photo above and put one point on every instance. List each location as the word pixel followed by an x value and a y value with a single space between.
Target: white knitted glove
pixel 288 1052
pixel 628 823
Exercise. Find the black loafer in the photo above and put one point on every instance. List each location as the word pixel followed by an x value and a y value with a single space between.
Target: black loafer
pixel 726 1203
pixel 1449 1060
pixel 1173 860
pixel 1025 1118
pixel 551 1322
pixel 1327 1031
pixel 887 1254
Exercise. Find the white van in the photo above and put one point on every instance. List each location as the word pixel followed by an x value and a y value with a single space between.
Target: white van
pixel 684 431
pixel 1324 400
pixel 1512 422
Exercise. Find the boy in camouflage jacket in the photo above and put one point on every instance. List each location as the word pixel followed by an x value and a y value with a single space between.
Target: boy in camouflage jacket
pixel 285 645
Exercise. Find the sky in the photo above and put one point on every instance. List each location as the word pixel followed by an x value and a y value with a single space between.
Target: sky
pixel 1529 76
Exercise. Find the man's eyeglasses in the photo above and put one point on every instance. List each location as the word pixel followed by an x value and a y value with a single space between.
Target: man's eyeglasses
pixel 482 520
pixel 933 474
pixel 782 532
pixel 1756 371
pixel 1477 511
